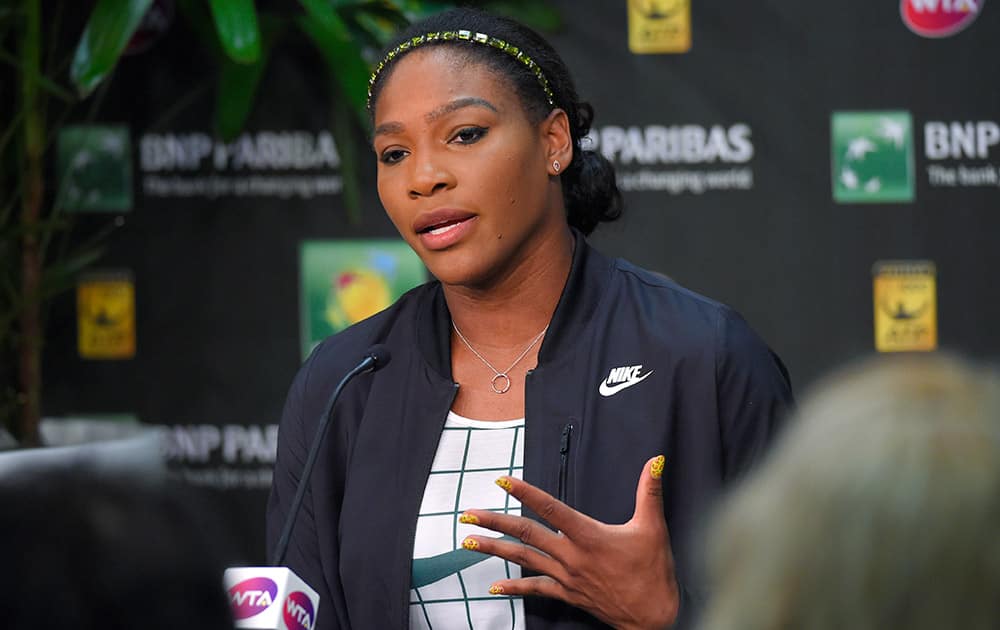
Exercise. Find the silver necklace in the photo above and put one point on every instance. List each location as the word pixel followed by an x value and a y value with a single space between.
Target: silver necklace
pixel 498 375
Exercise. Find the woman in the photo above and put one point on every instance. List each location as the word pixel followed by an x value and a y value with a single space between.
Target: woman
pixel 530 348
pixel 879 510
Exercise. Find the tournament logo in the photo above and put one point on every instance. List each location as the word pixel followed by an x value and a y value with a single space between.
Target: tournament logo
pixel 872 156
pixel 298 612
pixel 346 281
pixel 105 307
pixel 252 597
pixel 905 300
pixel 939 18
pixel 659 26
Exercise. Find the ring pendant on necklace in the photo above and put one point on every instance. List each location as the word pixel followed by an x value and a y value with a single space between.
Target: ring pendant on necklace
pixel 502 377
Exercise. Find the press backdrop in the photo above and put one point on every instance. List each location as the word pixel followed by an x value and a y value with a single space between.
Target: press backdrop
pixel 793 148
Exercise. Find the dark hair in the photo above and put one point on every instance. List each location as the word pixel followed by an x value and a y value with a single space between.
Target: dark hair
pixel 588 182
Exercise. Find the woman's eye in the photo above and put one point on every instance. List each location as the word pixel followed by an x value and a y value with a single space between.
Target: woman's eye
pixel 392 156
pixel 470 135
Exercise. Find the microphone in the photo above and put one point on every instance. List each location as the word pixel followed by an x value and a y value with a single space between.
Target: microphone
pixel 375 358
pixel 253 591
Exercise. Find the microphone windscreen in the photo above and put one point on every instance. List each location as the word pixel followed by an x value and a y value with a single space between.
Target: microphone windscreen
pixel 380 354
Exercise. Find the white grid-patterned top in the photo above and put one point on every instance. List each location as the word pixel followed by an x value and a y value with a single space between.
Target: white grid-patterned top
pixel 449 587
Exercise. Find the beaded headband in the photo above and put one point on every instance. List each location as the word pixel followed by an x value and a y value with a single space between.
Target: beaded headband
pixel 465 36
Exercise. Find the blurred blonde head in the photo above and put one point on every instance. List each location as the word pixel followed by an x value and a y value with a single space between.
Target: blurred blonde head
pixel 880 508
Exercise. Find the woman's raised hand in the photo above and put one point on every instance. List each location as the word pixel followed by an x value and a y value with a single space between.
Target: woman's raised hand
pixel 621 574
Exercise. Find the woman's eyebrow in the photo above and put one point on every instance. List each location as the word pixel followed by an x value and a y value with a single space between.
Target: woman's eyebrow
pixel 459 103
pixel 389 127
pixel 444 110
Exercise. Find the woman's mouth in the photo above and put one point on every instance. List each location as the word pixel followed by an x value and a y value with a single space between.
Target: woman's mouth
pixel 443 228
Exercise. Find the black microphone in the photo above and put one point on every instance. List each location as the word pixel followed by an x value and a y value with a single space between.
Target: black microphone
pixel 376 358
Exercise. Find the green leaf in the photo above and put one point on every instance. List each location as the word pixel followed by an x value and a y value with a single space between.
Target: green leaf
pixel 199 19
pixel 43 81
pixel 374 24
pixel 418 9
pixel 111 26
pixel 235 96
pixel 238 83
pixel 537 15
pixel 330 35
pixel 236 24
pixel 61 275
pixel 50 86
pixel 343 136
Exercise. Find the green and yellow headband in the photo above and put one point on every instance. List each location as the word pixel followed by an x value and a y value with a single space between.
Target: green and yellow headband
pixel 465 36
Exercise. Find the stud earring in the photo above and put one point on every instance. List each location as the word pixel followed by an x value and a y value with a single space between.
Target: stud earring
pixel 556 165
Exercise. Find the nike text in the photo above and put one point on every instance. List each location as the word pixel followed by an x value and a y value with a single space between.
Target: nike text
pixel 621 378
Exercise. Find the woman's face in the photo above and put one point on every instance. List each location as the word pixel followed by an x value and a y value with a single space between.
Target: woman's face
pixel 465 177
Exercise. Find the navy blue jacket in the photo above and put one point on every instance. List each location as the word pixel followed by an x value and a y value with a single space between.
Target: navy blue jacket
pixel 712 401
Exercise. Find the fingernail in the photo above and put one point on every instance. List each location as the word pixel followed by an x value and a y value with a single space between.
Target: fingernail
pixel 471 544
pixel 470 519
pixel 505 483
pixel 656 468
pixel 496 589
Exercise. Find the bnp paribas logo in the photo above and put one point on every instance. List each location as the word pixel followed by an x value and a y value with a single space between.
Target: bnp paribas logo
pixel 872 156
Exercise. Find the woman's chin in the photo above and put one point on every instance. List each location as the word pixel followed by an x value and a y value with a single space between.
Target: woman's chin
pixel 461 277
pixel 464 271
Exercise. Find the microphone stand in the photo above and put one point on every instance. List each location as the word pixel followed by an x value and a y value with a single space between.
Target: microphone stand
pixel 370 363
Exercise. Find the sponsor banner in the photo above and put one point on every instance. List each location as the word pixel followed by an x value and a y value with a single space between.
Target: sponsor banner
pixel 962 154
pixel 105 308
pixel 678 159
pixel 872 156
pixel 939 18
pixel 282 164
pixel 221 456
pixel 905 297
pixel 659 26
pixel 346 281
pixel 95 169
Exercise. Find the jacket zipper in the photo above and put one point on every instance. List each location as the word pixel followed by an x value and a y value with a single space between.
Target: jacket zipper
pixel 564 460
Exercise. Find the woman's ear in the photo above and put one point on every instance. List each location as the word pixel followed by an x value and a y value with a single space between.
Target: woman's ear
pixel 557 140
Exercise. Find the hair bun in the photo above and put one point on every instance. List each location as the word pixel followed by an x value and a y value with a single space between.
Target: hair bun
pixel 590 191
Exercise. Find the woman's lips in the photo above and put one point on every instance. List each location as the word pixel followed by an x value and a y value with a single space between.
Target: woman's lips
pixel 446 233
pixel 443 227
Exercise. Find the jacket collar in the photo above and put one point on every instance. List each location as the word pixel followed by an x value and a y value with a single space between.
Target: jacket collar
pixel 589 276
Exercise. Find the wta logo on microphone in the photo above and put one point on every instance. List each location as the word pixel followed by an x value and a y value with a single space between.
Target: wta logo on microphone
pixel 298 612
pixel 252 597
pixel 271 598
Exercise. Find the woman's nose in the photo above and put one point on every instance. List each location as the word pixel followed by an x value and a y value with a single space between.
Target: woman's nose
pixel 430 177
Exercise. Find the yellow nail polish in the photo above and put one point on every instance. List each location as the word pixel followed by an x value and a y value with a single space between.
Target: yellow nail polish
pixel 496 590
pixel 471 544
pixel 656 468
pixel 505 483
pixel 469 519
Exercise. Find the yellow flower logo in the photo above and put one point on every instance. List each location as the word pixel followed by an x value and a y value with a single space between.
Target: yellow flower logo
pixel 354 295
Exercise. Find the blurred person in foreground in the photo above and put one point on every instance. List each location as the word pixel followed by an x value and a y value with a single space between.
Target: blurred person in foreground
pixel 81 553
pixel 880 509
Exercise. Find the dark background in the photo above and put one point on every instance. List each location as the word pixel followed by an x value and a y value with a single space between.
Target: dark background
pixel 217 280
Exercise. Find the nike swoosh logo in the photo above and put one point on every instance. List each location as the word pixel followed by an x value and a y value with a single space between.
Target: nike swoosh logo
pixel 611 390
